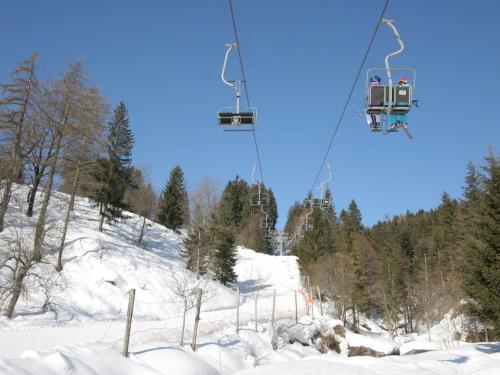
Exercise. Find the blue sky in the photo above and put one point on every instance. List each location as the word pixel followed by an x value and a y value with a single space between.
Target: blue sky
pixel 163 59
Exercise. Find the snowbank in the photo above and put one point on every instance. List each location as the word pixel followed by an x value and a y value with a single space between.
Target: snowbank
pixel 415 347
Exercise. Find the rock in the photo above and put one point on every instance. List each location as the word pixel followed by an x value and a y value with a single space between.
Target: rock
pixel 357 351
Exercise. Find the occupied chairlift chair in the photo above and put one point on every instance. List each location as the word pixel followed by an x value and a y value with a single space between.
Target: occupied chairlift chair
pixel 387 100
pixel 235 118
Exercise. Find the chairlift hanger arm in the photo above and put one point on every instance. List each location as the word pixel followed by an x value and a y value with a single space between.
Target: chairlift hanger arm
pixel 390 23
pixel 235 86
pixel 229 46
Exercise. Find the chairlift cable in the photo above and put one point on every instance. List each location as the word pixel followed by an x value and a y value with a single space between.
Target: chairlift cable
pixel 245 86
pixel 358 74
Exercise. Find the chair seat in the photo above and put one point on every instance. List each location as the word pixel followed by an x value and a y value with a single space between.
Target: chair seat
pixel 242 118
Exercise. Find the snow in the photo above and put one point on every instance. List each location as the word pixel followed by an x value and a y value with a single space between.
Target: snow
pixel 73 360
pixel 174 358
pixel 83 333
pixel 418 346
pixel 378 344
pixel 471 359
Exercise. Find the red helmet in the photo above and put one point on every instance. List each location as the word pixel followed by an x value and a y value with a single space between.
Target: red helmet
pixel 403 80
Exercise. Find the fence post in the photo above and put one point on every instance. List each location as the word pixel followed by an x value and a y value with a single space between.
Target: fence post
pixel 296 313
pixel 196 319
pixel 237 310
pixel 311 297
pixel 320 301
pixel 256 299
pixel 274 306
pixel 128 327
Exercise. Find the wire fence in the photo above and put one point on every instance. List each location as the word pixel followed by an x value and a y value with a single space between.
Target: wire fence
pixel 250 311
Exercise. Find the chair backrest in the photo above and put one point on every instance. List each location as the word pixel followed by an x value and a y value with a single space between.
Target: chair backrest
pixel 378 96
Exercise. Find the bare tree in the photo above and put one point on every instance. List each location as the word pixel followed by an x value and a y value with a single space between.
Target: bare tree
pixel 184 286
pixel 39 144
pixel 142 199
pixel 16 257
pixel 16 103
pixel 204 200
pixel 50 283
pixel 64 103
pixel 89 123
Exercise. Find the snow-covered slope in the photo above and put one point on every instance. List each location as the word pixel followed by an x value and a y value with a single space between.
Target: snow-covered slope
pixel 99 268
pixel 90 297
pixel 83 333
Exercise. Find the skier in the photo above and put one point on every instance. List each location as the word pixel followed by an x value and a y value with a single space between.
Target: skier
pixel 373 120
pixel 397 121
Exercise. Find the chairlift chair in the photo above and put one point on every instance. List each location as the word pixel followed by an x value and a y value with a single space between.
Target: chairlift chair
pixel 265 222
pixel 322 202
pixel 390 100
pixel 325 203
pixel 235 118
pixel 306 224
pixel 259 199
pixel 316 202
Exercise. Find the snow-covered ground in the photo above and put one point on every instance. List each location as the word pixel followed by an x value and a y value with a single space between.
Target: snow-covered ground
pixel 83 334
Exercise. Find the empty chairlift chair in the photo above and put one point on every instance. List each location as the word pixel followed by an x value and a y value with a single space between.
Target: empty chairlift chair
pixel 235 118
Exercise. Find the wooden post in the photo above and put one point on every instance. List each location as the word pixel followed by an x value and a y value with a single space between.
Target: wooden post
pixel 130 313
pixel 320 302
pixel 256 299
pixel 311 297
pixel 296 313
pixel 237 310
pixel 196 319
pixel 274 306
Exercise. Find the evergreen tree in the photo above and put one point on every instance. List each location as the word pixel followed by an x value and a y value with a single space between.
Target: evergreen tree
pixel 316 241
pixel 294 216
pixel 352 230
pixel 234 204
pixel 482 266
pixel 113 173
pixel 251 233
pixel 224 251
pixel 173 207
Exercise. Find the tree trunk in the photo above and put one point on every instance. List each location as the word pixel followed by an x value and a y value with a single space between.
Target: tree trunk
pixel 18 287
pixel 39 170
pixel 40 225
pixel 33 191
pixel 59 266
pixel 183 325
pixel 101 219
pixel 143 227
pixel 5 201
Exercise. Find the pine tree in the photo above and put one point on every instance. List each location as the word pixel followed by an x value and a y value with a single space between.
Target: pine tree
pixel 113 173
pixel 234 204
pixel 352 229
pixel 224 255
pixel 482 266
pixel 173 207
